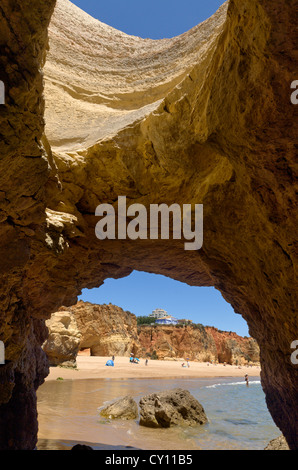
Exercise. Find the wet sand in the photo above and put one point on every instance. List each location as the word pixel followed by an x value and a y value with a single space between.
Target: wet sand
pixel 72 416
pixel 95 368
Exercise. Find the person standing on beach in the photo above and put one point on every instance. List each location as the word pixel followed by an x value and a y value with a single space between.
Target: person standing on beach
pixel 246 379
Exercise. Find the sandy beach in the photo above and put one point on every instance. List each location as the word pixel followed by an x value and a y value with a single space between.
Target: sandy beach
pixel 95 368
pixel 68 409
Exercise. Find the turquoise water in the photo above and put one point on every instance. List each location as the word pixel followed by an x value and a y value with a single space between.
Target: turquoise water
pixel 237 415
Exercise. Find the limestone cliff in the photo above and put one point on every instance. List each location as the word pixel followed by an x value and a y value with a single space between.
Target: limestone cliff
pixel 232 348
pixel 63 342
pixel 198 343
pixel 108 330
pixel 202 118
pixel 105 330
pixel 177 342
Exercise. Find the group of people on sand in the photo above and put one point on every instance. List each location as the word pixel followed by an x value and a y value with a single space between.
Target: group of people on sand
pixel 185 365
pixel 135 360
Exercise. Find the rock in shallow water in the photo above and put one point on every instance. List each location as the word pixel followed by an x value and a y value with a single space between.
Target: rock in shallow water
pixel 171 408
pixel 125 408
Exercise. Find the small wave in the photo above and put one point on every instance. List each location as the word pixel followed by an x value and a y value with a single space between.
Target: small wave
pixel 233 383
pixel 241 421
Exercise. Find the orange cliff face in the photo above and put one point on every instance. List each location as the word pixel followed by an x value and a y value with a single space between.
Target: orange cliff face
pixel 104 330
pixel 108 330
pixel 198 343
pixel 232 348
pixel 173 341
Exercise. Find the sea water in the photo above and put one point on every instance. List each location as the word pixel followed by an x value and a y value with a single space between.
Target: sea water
pixel 238 418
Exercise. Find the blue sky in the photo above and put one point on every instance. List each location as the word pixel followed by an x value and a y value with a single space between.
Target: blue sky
pixel 140 293
pixel 155 19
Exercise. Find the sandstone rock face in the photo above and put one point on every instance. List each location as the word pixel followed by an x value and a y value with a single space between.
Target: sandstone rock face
pixel 171 408
pixel 176 342
pixel 106 329
pixel 24 172
pixel 232 348
pixel 125 408
pixel 64 339
pixel 202 118
pixel 201 344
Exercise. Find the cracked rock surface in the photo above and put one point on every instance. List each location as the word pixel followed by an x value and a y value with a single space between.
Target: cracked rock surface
pixel 171 408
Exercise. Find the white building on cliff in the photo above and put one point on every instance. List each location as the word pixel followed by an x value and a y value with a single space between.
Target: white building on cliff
pixel 158 313
pixel 169 320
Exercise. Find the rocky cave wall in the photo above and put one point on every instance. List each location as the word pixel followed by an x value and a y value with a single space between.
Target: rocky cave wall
pixel 202 118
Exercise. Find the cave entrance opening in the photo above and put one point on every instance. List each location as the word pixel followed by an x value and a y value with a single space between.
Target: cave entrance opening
pixel 160 301
pixel 140 294
pixel 155 19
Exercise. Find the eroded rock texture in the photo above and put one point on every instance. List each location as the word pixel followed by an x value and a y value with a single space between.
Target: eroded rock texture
pixel 171 408
pixel 198 343
pixel 124 408
pixel 202 118
pixel 106 330
pixel 24 172
pixel 232 348
pixel 63 340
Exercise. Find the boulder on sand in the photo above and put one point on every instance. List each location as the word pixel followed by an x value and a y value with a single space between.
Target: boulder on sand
pixel 125 408
pixel 171 408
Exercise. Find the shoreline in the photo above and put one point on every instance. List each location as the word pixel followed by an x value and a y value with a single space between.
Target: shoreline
pixel 95 368
pixel 73 418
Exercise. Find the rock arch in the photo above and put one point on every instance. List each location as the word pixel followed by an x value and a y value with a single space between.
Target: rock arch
pixel 205 117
